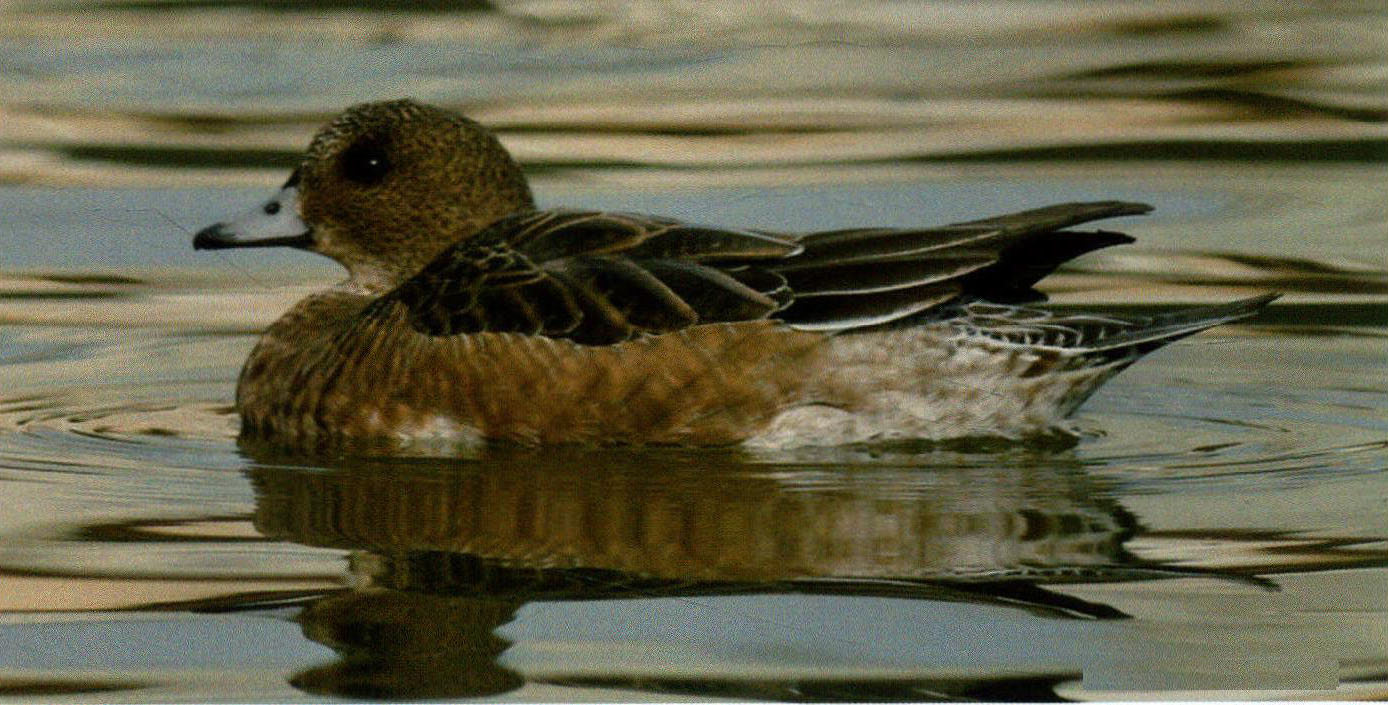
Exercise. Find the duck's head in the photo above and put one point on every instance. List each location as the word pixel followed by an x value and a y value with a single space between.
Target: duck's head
pixel 383 189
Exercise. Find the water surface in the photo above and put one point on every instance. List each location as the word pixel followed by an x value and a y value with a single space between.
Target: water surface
pixel 1219 530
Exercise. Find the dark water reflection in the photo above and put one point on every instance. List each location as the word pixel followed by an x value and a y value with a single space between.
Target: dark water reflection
pixel 444 556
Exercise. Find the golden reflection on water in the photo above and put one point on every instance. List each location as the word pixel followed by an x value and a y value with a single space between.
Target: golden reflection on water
pixel 706 517
pixel 443 556
pixel 823 86
pixel 1258 130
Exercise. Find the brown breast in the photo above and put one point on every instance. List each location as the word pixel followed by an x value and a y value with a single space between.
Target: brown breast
pixel 321 372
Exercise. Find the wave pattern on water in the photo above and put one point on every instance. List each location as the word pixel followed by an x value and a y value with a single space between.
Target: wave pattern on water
pixel 1226 491
pixel 615 87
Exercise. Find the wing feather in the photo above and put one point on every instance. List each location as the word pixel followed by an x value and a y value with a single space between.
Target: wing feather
pixel 561 234
pixel 641 299
pixel 707 245
pixel 717 296
pixel 599 278
pixel 831 279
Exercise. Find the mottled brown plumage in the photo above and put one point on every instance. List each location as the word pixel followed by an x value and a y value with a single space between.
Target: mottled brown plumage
pixel 326 369
pixel 446 177
pixel 470 315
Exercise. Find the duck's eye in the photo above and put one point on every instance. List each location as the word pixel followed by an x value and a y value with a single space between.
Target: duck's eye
pixel 365 162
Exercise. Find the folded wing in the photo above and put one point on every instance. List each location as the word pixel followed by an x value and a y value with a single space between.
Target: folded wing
pixel 601 278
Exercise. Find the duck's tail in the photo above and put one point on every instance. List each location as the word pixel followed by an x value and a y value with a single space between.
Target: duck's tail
pixel 1099 338
pixel 1151 332
pixel 1085 349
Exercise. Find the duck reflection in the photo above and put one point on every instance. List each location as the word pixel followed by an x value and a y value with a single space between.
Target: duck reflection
pixel 447 551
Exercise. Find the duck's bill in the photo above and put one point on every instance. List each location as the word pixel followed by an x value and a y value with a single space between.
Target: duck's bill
pixel 275 223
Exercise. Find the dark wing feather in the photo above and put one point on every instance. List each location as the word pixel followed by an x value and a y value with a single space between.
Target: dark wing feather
pixel 720 296
pixel 465 288
pixel 868 276
pixel 550 235
pixel 631 291
pixel 706 245
pixel 595 278
pixel 833 279
pixel 843 247
pixel 600 278
pixel 834 313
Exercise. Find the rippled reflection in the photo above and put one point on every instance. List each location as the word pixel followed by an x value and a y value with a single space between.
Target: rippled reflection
pixel 817 85
pixel 443 556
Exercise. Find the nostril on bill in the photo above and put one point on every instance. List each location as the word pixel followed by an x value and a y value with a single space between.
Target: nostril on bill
pixel 272 208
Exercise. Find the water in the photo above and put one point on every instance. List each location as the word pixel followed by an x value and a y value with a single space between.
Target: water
pixel 1220 530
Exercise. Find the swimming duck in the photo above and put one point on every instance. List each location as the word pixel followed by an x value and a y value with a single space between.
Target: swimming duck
pixel 469 315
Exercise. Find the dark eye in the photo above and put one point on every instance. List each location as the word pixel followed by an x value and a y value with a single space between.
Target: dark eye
pixel 365 162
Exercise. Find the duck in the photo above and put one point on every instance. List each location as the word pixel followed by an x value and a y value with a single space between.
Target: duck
pixel 470 316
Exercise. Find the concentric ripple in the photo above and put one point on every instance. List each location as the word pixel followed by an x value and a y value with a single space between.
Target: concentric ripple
pixel 108 397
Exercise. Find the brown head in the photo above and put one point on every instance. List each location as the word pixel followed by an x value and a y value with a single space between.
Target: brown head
pixel 383 189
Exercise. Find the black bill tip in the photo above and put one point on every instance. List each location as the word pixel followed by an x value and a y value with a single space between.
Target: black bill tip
pixel 213 237
pixel 219 237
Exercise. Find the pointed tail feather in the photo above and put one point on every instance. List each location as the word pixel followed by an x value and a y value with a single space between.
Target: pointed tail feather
pixel 1152 333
